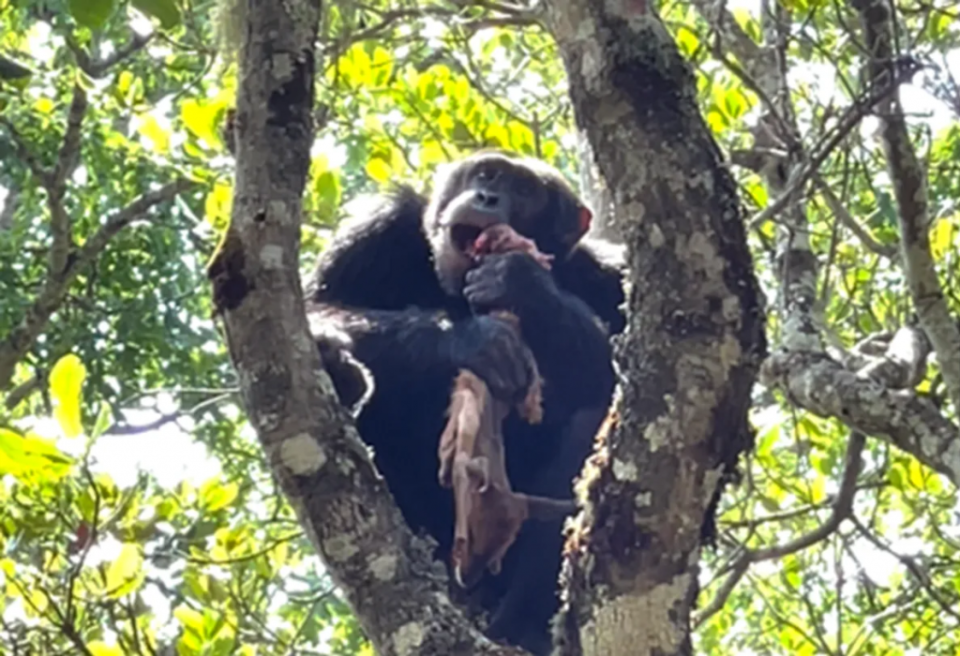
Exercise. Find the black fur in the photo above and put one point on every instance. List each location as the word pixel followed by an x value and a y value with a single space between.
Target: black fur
pixel 376 294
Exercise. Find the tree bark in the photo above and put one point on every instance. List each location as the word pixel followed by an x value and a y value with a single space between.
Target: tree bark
pixel 909 182
pixel 690 353
pixel 390 580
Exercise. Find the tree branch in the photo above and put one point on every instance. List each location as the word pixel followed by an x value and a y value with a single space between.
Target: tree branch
pixel 819 384
pixel 842 509
pixel 916 570
pixel 97 68
pixel 841 214
pixel 904 363
pixel 55 286
pixel 910 189
pixel 862 106
pixel 56 184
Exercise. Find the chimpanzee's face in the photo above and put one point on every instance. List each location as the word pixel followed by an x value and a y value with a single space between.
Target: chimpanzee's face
pixel 493 188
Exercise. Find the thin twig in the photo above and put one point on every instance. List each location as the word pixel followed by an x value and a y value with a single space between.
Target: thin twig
pixel 842 509
pixel 55 286
pixel 56 184
pixel 843 216
pixel 851 118
pixel 97 68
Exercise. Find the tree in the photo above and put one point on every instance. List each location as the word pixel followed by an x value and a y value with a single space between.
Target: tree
pixel 840 536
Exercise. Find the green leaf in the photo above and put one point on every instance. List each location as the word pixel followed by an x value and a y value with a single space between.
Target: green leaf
pixel 125 573
pixel 329 192
pixel 166 11
pixel 91 13
pixel 66 381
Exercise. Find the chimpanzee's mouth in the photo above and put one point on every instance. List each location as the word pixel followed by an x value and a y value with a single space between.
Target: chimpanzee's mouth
pixel 464 235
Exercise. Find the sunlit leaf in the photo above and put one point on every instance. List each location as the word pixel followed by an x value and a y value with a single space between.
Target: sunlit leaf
pixel 192 622
pixel 217 205
pixel 381 65
pixel 716 121
pixel 100 648
pixel 818 489
pixel 66 382
pixel 688 41
pixel 378 169
pixel 44 105
pixel 215 495
pixel 941 237
pixel 202 119
pixel 124 574
pixel 916 473
pixel 746 20
pixel 31 453
pixel 149 127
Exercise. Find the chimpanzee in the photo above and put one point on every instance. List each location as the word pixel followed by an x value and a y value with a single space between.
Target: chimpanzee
pixel 397 292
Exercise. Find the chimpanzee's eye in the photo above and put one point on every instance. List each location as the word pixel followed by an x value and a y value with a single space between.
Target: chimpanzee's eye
pixel 525 186
pixel 487 173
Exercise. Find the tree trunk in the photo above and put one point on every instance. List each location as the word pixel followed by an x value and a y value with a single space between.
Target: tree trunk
pixel 690 354
pixel 390 580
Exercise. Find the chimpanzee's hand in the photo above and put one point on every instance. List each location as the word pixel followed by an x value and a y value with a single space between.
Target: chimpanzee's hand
pixel 509 281
pixel 492 349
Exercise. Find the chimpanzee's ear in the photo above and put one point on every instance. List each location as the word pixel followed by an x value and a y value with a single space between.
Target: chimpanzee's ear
pixel 584 220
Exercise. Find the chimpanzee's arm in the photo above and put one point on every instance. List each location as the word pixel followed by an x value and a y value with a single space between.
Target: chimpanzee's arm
pixel 571 347
pixel 402 348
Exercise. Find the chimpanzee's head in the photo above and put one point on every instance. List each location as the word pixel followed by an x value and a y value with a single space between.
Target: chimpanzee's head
pixel 488 188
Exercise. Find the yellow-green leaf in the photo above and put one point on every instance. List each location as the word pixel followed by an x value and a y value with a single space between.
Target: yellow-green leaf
pixel 818 489
pixel 378 169
pixel 941 236
pixel 104 421
pixel 382 65
pixel 44 105
pixel 31 453
pixel 125 572
pixel 149 127
pixel 100 648
pixel 215 495
pixel 202 118
pixel 189 618
pixel 66 381
pixel 916 473
pixel 217 205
